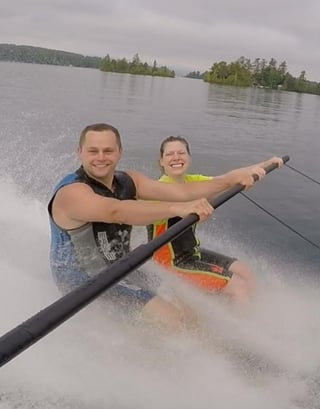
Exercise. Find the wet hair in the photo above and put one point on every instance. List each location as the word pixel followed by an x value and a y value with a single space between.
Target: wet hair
pixel 99 128
pixel 174 139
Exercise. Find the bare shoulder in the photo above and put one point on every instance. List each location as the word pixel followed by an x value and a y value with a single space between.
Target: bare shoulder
pixel 66 201
pixel 74 191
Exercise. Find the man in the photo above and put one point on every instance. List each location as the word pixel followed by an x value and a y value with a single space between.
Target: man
pixel 92 212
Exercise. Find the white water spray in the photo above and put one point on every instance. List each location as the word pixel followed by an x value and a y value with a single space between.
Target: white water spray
pixel 267 358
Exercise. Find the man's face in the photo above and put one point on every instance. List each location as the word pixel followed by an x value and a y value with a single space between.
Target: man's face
pixel 100 154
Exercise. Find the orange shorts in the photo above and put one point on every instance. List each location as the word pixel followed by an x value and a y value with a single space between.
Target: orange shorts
pixel 210 272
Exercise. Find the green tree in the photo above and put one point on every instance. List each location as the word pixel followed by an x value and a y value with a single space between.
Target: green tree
pixel 135 67
pixel 259 73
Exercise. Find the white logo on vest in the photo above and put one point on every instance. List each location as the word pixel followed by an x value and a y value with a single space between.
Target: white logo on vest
pixel 106 246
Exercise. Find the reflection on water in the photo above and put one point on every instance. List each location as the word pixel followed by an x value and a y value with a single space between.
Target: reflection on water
pixel 253 103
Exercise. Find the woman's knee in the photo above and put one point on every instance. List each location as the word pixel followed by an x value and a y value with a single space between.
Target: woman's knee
pixel 163 314
pixel 240 269
pixel 237 289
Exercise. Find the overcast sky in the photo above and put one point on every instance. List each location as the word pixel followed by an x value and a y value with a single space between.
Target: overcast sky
pixel 182 34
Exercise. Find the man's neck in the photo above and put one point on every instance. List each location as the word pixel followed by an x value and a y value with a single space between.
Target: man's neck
pixel 106 181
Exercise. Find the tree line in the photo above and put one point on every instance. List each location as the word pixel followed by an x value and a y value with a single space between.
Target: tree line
pixel 195 74
pixel 259 73
pixel 39 55
pixel 135 66
pixel 242 72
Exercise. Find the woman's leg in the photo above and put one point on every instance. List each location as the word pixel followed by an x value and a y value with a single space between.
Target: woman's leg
pixel 240 286
pixel 167 316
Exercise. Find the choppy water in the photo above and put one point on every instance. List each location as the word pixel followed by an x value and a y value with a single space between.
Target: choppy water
pixel 95 361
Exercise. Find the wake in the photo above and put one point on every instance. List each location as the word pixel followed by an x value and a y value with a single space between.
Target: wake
pixel 265 357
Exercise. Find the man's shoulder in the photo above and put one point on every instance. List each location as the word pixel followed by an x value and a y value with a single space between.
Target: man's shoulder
pixel 126 184
pixel 122 173
pixel 67 180
pixel 123 176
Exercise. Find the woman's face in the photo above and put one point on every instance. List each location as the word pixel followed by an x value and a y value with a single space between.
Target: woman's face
pixel 175 160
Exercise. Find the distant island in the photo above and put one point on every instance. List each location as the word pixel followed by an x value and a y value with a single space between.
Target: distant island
pixel 136 66
pixel 258 73
pixel 242 72
pixel 196 75
pixel 40 55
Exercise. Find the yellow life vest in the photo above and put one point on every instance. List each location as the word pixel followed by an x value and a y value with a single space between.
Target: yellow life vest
pixel 187 243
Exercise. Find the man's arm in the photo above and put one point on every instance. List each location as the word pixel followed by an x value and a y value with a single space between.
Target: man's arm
pixel 77 204
pixel 272 161
pixel 149 189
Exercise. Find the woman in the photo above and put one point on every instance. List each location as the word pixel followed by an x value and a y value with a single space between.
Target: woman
pixel 206 269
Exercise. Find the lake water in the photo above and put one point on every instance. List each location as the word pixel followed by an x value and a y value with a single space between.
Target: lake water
pixel 92 361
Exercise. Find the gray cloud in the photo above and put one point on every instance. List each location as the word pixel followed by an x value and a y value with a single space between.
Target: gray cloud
pixel 189 35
